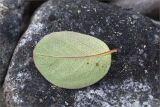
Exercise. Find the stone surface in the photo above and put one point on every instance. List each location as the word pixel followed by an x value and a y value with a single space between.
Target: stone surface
pixel 12 4
pixel 150 8
pixel 133 79
pixel 14 19
pixel 2 104
pixel 10 20
pixel 31 6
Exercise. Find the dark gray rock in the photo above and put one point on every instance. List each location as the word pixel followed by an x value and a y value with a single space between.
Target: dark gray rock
pixel 133 79
pixel 12 4
pixel 31 6
pixel 15 17
pixel 150 8
pixel 10 21
pixel 142 6
pixel 2 104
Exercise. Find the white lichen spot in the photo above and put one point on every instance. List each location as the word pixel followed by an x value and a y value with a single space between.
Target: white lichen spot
pixel 17 99
pixel 135 16
pixel 40 100
pixel 53 86
pixel 141 62
pixel 119 33
pixel 156 77
pixel 66 103
pixel 84 7
pixel 19 74
pixel 151 97
pixel 88 10
pixel 95 9
pixel 140 51
pixel 67 5
pixel 146 71
pixel 79 11
pixel 92 33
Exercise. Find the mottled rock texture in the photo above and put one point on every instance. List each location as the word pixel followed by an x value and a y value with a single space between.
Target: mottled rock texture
pixel 133 79
pixel 10 21
pixel 150 8
pixel 14 18
pixel 31 6
pixel 2 104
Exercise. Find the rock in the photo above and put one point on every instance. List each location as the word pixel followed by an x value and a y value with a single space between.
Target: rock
pixel 2 104
pixel 29 9
pixel 12 4
pixel 15 17
pixel 10 20
pixel 133 79
pixel 150 8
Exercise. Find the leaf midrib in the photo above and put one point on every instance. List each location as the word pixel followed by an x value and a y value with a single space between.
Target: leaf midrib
pixel 85 56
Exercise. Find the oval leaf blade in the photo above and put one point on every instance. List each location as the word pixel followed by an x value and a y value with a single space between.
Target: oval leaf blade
pixel 72 60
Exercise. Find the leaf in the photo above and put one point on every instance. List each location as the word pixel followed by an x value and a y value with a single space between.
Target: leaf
pixel 72 60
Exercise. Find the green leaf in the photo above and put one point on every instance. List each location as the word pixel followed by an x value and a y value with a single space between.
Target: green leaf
pixel 72 60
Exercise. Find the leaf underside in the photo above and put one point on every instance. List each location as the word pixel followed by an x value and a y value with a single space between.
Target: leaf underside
pixel 72 60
